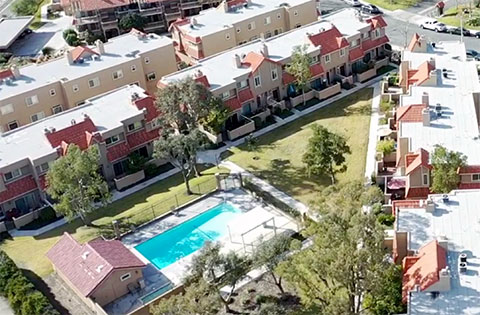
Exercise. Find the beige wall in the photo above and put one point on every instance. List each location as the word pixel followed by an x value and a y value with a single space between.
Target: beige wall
pixel 113 288
pixel 267 84
pixel 415 178
pixel 217 42
pixel 260 27
pixel 306 13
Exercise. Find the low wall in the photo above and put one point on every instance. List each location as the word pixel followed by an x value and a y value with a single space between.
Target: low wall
pixel 381 63
pixel 129 180
pixel 367 75
pixel 297 100
pixel 240 131
pixel 145 310
pixel 328 92
pixel 27 218
pixel 214 138
pixel 262 115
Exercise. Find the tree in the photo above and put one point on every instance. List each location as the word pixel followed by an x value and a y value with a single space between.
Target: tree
pixel 271 309
pixel 218 270
pixel 76 184
pixel 386 297
pixel 386 146
pixel 216 116
pixel 445 165
pixel 25 7
pixel 299 68
pixel 270 253
pixel 71 37
pixel 181 150
pixel 346 259
pixel 199 298
pixel 132 20
pixel 325 153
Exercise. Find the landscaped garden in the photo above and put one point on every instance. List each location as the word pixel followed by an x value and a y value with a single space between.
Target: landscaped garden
pixel 393 4
pixel 277 156
pixel 471 17
pixel 29 252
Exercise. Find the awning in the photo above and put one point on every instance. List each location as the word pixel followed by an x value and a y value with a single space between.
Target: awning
pixel 397 183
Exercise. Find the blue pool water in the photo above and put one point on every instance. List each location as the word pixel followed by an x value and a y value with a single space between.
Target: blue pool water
pixel 186 238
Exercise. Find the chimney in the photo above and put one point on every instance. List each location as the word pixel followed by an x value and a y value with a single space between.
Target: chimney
pixel 432 62
pixel 237 61
pixel 69 56
pixel 198 74
pixel 15 71
pixel 224 6
pixel 425 99
pixel 100 46
pixel 426 117
pixel 264 49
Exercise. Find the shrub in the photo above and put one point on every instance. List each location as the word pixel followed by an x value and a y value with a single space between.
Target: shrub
pixel 383 121
pixel 386 219
pixel 26 7
pixel 71 37
pixel 5 57
pixel 386 146
pixel 47 51
pixel 386 106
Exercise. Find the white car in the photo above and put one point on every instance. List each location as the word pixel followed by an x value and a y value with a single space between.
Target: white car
pixel 353 3
pixel 434 25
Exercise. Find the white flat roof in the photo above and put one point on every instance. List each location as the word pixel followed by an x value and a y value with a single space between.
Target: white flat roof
pixel 107 112
pixel 11 28
pixel 212 20
pixel 280 47
pixel 117 51
pixel 459 222
pixel 347 21
pixel 457 129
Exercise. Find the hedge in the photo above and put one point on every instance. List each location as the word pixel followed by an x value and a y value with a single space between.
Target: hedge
pixel 20 292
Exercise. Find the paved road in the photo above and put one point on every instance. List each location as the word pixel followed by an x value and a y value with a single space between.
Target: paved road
pixel 5 7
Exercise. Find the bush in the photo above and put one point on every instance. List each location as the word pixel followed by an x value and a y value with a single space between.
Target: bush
pixel 383 121
pixel 386 146
pixel 5 57
pixel 386 219
pixel 386 106
pixel 20 292
pixel 26 7
pixel 71 37
pixel 47 51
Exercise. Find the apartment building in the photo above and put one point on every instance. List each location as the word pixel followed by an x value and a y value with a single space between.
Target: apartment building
pixel 119 122
pixel 237 22
pixel 251 78
pixel 102 17
pixel 29 93
pixel 439 104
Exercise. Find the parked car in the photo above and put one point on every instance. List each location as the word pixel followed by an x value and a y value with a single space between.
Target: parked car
pixel 473 54
pixel 476 34
pixel 458 31
pixel 434 25
pixel 353 3
pixel 370 9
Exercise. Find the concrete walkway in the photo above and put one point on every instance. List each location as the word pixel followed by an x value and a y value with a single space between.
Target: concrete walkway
pixel 372 137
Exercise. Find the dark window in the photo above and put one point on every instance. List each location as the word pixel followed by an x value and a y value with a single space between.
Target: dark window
pixel 120 168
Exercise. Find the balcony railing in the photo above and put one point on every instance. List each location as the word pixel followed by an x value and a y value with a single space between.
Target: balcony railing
pixel 247 126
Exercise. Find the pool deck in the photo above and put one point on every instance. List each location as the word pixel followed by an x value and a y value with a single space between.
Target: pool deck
pixel 174 274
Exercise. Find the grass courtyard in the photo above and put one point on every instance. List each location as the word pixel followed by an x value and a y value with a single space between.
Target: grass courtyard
pixel 278 156
pixel 29 252
pixel 471 20
pixel 393 4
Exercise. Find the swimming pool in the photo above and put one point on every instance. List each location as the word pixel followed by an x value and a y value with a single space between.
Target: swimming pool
pixel 186 238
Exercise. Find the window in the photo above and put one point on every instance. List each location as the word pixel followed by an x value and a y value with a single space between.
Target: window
pixel 475 177
pixel 277 31
pixel 92 83
pixel 342 52
pixel 267 20
pixel 42 168
pixel 133 68
pixel 238 30
pixel 32 100
pixel 125 276
pixel 57 109
pixel 365 35
pixel 52 92
pixel 279 16
pixel 251 26
pixel 425 179
pixel 151 76
pixel 257 81
pixel 75 88
pixel 354 43
pixel 135 126
pixel 295 13
pixel 37 116
pixel 227 36
pixel 6 109
pixel 147 60
pixel 12 125
pixel 274 74
pixel 377 33
pixel 327 58
pixel 242 42
pixel 315 59
pixel 112 140
pixel 253 37
pixel 268 34
pixel 117 75
pixel 298 25
pixel 12 175
pixel 225 95
pixel 155 123
pixel 242 84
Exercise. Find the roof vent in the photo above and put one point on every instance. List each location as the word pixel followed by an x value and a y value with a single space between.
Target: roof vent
pixel 96 58
pixel 99 268
pixel 85 255
pixel 73 122
pixel 198 74
pixel 135 96
pixel 46 130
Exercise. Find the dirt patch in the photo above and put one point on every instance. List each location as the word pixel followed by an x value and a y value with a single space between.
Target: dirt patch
pixel 69 300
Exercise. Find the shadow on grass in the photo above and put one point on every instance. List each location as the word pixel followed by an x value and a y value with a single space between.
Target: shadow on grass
pixel 41 286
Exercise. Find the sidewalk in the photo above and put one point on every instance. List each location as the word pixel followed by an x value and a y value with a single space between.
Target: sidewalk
pixel 372 137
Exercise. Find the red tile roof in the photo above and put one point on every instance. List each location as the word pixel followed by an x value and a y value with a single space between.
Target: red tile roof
pixel 42 181
pixel 422 74
pixel 355 54
pixel 233 103
pixel 245 95
pixel 417 192
pixel 376 22
pixel 253 60
pixel 373 43
pixel 6 74
pixel 203 80
pixel 148 103
pixel 329 40
pixel 118 151
pixel 92 5
pixel 413 161
pixel 232 3
pixel 396 204
pixel 410 113
pixel 138 138
pixel 287 78
pixel 81 51
pixel 316 70
pixel 76 133
pixel 87 266
pixel 469 186
pixel 17 188
pixel 423 269
pixel 469 169
pixel 414 42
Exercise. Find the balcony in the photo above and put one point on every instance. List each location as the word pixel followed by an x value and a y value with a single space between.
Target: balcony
pixel 154 25
pixel 240 128
pixel 185 4
pixel 86 20
pixel 172 15
pixel 151 10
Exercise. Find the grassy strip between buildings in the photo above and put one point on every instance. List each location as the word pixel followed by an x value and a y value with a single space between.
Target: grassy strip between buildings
pixel 29 252
pixel 278 157
pixel 393 4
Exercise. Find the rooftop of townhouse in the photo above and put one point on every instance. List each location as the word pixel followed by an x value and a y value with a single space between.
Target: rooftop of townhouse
pixel 349 21
pixel 11 28
pixel 93 5
pixel 119 50
pixel 457 127
pixel 457 222
pixel 106 111
pixel 215 19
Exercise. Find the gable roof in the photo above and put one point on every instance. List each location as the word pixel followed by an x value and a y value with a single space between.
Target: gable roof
pixel 77 134
pixel 414 42
pixel 6 74
pixel 329 40
pixel 254 60
pixel 87 266
pixel 413 161
pixel 422 74
pixel 376 22
pixel 80 52
pixel 469 169
pixel 423 269
pixel 410 113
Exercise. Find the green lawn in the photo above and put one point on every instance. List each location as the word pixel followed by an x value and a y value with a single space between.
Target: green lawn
pixel 29 252
pixel 393 4
pixel 450 17
pixel 278 158
pixel 37 20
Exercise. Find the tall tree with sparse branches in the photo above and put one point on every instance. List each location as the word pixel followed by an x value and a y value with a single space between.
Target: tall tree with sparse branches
pixel 299 68
pixel 76 184
pixel 446 164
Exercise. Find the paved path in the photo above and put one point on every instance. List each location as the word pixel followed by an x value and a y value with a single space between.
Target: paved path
pixel 5 308
pixel 372 137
